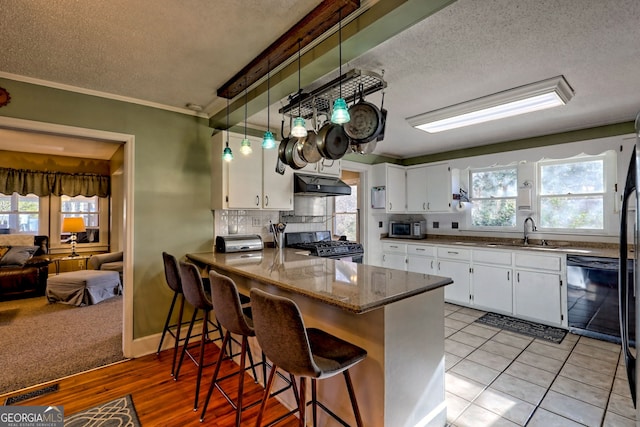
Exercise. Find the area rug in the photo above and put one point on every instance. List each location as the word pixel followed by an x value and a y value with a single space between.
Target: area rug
pixel 119 412
pixel 536 330
pixel 31 394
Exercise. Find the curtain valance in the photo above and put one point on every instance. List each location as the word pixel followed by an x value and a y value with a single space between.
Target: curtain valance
pixel 41 183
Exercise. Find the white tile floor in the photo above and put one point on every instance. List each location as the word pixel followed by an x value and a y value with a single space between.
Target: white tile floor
pixel 498 378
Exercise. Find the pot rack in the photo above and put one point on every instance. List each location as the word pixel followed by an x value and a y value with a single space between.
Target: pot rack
pixel 320 100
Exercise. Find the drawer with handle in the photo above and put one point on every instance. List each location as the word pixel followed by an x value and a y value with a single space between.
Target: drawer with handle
pixel 422 250
pixel 454 253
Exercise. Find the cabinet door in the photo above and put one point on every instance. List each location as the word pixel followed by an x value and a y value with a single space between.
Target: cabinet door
pixel 394 260
pixel 421 264
pixel 438 182
pixel 458 271
pixel 537 296
pixel 245 176
pixel 493 288
pixel 417 189
pixel 396 188
pixel 277 189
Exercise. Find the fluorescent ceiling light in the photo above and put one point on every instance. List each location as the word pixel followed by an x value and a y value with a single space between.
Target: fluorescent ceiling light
pixel 524 99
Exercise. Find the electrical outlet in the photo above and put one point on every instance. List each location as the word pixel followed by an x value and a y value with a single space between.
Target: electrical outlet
pixel 436 224
pixel 80 263
pixel 379 224
pixel 255 221
pixel 454 225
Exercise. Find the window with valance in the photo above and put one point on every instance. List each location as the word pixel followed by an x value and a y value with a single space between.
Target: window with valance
pixel 41 183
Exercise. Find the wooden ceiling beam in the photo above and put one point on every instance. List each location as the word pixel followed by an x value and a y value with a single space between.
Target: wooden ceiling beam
pixel 309 28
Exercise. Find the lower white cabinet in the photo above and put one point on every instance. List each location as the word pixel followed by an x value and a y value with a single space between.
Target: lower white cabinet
pixel 455 263
pixel 421 259
pixel 394 255
pixel 493 288
pixel 538 288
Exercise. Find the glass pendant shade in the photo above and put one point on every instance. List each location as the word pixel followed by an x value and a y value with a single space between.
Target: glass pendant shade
pixel 227 155
pixel 268 142
pixel 340 113
pixel 298 130
pixel 245 147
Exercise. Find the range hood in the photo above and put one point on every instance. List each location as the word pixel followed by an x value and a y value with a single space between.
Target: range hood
pixel 314 185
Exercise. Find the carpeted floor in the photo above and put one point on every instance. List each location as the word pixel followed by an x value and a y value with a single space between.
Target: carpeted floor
pixel 42 342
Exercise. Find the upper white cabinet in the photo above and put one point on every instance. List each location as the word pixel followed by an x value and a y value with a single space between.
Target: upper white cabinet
pixel 415 189
pixel 248 181
pixel 323 167
pixel 428 188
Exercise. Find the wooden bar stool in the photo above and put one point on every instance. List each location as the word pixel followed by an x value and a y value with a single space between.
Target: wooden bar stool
pixel 303 352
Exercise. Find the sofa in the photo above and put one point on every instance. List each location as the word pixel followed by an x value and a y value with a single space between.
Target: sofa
pixel 24 265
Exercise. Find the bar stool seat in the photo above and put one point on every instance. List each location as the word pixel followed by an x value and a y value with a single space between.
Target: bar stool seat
pixel 303 352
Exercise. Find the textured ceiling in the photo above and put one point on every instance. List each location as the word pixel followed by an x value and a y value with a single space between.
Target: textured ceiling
pixel 173 53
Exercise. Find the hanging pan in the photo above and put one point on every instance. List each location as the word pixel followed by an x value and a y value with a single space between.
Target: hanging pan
pixel 366 121
pixel 292 154
pixel 332 141
pixel 308 146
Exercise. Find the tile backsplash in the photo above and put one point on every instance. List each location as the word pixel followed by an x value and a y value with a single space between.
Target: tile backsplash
pixel 257 222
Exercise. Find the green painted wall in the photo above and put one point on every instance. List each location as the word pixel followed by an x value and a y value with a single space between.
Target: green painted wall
pixel 171 182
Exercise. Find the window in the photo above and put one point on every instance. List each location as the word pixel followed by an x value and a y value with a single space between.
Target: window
pixel 572 193
pixel 86 207
pixel 346 215
pixel 19 214
pixel 493 197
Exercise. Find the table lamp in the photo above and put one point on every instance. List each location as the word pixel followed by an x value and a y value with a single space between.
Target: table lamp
pixel 73 225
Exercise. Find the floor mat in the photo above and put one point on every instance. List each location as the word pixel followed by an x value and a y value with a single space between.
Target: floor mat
pixel 536 330
pixel 118 412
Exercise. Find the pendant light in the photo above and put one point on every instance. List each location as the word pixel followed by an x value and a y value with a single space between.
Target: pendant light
pixel 268 142
pixel 227 155
pixel 245 145
pixel 299 130
pixel 340 114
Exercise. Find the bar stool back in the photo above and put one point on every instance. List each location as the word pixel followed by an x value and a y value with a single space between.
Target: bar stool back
pixel 195 294
pixel 304 352
pixel 173 280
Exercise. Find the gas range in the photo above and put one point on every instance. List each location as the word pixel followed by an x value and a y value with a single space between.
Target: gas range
pixel 319 243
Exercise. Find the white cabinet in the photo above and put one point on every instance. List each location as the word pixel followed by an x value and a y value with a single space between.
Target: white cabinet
pixel 417 189
pixel 421 258
pixel 492 280
pixel 428 188
pixel 438 188
pixel 394 255
pixel 455 263
pixel 396 188
pixel 323 167
pixel 248 181
pixel 538 288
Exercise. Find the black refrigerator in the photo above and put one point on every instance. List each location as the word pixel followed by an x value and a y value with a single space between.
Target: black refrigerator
pixel 630 285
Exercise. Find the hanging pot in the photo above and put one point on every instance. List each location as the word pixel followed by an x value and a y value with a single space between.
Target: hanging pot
pixel 366 121
pixel 308 147
pixel 332 141
pixel 283 144
pixel 292 154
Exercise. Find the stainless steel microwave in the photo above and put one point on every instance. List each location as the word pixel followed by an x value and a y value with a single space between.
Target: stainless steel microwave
pixel 408 229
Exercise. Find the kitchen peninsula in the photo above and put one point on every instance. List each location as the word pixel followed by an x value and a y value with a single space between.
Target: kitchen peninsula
pixel 397 316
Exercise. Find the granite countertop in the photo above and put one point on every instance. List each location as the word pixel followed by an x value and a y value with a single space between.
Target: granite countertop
pixel 357 288
pixel 562 247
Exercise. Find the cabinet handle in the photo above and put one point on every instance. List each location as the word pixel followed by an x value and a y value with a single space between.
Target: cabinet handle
pixel 438 265
pixel 508 275
pixel 383 258
pixel 393 246
pixel 257 200
pixel 452 253
pixel 390 205
pixel 420 249
pixel 431 265
pixel 424 206
pixel 428 206
pixel 266 200
pixel 518 278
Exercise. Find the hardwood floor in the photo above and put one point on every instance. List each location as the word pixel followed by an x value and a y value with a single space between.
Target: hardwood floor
pixel 159 400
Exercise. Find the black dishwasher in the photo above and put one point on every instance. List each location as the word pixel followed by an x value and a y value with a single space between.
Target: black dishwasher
pixel 592 297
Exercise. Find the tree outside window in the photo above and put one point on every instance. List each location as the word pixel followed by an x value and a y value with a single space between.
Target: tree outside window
pixel 346 215
pixel 572 194
pixel 493 197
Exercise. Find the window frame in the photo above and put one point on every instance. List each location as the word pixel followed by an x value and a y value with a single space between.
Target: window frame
pixel 43 213
pixel 356 213
pixel 471 226
pixel 56 246
pixel 608 159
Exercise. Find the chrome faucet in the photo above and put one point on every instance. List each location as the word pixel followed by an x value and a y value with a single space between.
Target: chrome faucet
pixel 533 228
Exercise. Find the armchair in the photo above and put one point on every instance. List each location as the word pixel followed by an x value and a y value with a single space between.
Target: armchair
pixel 112 261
